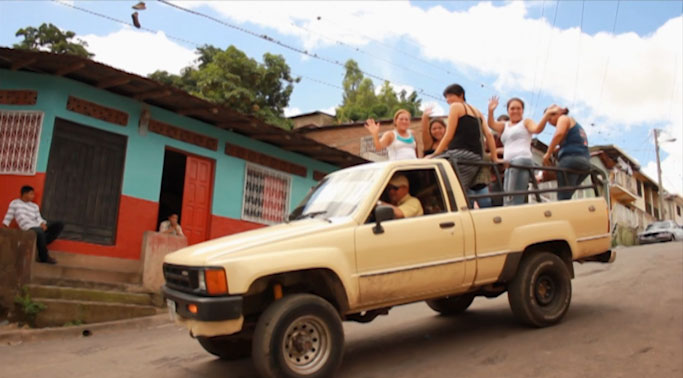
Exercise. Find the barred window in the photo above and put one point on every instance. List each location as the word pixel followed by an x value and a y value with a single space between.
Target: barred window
pixel 19 141
pixel 368 151
pixel 266 195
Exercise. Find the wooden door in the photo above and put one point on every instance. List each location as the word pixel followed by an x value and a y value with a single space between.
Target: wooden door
pixel 83 182
pixel 196 209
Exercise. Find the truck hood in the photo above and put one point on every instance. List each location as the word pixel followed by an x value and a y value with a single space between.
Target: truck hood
pixel 216 250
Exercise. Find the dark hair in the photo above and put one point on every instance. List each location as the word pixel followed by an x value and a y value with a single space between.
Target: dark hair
pixel 503 117
pixel 565 111
pixel 25 189
pixel 515 99
pixel 455 89
pixel 432 122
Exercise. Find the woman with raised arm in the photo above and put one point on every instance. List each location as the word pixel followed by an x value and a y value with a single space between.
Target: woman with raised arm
pixel 572 152
pixel 432 132
pixel 400 142
pixel 515 135
pixel 464 130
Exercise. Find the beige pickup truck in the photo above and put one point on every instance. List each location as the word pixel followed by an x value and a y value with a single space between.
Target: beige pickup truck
pixel 279 294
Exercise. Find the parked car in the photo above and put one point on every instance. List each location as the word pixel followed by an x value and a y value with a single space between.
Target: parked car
pixel 662 231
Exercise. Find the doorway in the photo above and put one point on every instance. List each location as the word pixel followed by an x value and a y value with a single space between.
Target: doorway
pixel 186 187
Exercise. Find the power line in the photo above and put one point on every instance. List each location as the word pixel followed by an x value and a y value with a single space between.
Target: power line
pixel 536 96
pixel 604 74
pixel 289 47
pixel 538 56
pixel 358 49
pixel 578 55
pixel 195 44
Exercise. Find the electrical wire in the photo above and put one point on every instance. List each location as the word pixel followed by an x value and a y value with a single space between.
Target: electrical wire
pixel 292 48
pixel 536 96
pixel 604 74
pixel 578 55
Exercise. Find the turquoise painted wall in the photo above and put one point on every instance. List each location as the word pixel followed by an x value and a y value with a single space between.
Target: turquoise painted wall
pixel 145 154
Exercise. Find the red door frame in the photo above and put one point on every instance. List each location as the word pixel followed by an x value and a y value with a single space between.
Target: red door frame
pixel 212 173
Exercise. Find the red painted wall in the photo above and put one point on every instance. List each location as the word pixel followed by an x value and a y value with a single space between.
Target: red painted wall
pixel 221 226
pixel 135 217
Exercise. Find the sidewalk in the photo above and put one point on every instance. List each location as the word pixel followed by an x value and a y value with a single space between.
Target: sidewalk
pixel 19 336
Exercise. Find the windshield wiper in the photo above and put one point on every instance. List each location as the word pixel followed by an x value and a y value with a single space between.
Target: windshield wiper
pixel 312 214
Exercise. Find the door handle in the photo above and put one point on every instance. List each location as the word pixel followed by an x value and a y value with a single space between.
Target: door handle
pixel 447 224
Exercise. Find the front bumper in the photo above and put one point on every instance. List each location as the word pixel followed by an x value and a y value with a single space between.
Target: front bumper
pixel 208 308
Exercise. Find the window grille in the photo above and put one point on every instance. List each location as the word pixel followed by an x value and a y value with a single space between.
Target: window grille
pixel 368 151
pixel 19 141
pixel 266 195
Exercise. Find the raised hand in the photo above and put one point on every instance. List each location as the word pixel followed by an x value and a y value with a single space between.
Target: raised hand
pixel 428 111
pixel 493 103
pixel 372 126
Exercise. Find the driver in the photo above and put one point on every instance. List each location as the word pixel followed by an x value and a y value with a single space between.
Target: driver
pixel 402 202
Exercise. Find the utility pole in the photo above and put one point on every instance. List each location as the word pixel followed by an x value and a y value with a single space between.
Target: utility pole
pixel 660 193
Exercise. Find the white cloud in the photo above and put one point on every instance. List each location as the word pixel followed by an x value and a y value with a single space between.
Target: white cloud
pixel 293 111
pixel 623 81
pixel 139 52
pixel 437 109
pixel 332 110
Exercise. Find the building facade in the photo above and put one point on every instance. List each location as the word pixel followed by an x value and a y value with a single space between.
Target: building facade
pixel 112 154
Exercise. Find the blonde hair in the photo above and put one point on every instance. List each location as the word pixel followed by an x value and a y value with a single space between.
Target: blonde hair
pixel 398 113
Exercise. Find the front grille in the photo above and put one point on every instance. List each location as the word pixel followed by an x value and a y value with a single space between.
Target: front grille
pixel 183 278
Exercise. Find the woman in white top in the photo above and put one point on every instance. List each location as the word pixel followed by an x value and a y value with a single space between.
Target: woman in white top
pixel 400 142
pixel 515 135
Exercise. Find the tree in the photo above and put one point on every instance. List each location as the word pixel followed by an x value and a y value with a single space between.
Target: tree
pixel 229 77
pixel 48 37
pixel 360 102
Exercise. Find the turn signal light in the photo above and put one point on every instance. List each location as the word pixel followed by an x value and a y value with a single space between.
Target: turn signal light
pixel 192 308
pixel 216 282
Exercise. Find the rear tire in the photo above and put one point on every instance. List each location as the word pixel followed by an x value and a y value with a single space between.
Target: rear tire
pixel 232 347
pixel 451 305
pixel 298 336
pixel 540 293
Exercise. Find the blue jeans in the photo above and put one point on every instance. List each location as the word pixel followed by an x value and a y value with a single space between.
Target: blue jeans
pixel 482 202
pixel 576 162
pixel 517 179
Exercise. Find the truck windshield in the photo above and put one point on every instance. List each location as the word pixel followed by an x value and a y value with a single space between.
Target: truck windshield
pixel 337 195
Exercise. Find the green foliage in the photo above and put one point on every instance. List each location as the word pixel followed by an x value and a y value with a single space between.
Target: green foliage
pixel 48 37
pixel 73 323
pixel 28 308
pixel 229 77
pixel 360 102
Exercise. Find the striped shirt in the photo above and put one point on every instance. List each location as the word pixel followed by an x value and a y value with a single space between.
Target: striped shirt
pixel 27 214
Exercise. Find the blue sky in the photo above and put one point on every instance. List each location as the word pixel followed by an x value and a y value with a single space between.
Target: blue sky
pixel 620 79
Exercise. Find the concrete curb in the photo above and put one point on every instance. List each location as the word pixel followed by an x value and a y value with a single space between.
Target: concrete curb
pixel 20 336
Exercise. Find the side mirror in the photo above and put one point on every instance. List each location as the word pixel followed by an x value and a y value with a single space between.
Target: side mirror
pixel 382 213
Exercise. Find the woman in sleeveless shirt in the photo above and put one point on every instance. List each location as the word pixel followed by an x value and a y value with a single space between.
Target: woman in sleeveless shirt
pixel 572 152
pixel 462 141
pixel 515 135
pixel 432 132
pixel 400 142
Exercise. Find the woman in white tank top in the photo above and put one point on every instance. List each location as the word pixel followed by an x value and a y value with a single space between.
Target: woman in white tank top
pixel 516 137
pixel 400 142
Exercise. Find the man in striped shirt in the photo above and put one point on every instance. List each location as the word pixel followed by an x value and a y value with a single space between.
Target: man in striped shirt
pixel 27 215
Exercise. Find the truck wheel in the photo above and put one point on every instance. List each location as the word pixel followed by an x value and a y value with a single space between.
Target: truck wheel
pixel 540 293
pixel 233 347
pixel 300 335
pixel 451 305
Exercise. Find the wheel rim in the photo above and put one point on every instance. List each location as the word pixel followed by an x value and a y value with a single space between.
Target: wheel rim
pixel 306 345
pixel 545 290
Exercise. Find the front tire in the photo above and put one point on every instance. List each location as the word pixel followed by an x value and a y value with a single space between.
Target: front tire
pixel 300 335
pixel 451 305
pixel 540 293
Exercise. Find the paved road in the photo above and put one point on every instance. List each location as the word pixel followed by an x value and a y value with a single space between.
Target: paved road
pixel 625 320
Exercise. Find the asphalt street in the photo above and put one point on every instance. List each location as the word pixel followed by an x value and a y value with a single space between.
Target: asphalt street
pixel 625 320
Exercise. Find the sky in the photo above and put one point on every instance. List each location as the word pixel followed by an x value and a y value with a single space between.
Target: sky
pixel 617 65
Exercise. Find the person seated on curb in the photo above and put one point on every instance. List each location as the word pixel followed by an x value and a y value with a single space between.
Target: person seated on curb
pixel 171 226
pixel 405 205
pixel 27 215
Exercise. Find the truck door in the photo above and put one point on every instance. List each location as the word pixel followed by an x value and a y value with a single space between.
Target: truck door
pixel 412 256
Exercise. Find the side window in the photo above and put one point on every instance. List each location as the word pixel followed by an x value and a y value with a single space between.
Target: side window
pixel 406 186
